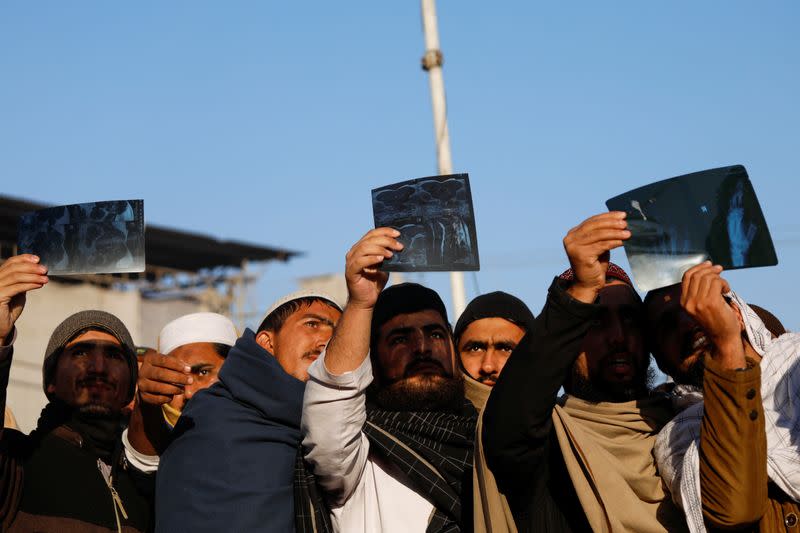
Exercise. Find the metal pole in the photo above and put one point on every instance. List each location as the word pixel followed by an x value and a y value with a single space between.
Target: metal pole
pixel 432 63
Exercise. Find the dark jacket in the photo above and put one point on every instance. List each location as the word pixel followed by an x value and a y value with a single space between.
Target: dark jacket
pixel 53 479
pixel 230 465
pixel 519 442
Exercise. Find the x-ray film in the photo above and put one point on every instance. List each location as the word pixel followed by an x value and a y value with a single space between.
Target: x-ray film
pixel 91 238
pixel 436 222
pixel 680 222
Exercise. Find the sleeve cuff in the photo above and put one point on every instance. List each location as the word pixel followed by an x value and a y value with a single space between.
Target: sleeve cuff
pixel 360 378
pixel 141 462
pixel 560 298
pixel 750 375
pixel 7 350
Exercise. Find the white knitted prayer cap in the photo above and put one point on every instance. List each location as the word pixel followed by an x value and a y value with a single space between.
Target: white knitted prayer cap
pixel 197 327
pixel 303 293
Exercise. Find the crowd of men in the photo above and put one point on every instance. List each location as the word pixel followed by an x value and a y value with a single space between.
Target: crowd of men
pixel 375 415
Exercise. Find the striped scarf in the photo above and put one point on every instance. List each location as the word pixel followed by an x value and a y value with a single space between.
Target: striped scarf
pixel 434 449
pixel 311 513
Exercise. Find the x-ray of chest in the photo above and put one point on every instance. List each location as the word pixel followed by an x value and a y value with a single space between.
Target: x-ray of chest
pixel 436 221
pixel 91 238
pixel 680 222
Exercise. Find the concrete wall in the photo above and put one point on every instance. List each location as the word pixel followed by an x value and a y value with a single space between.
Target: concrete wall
pixel 47 307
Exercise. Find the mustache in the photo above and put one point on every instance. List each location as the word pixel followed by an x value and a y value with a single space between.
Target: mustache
pixel 421 361
pixel 312 353
pixel 91 380
pixel 483 378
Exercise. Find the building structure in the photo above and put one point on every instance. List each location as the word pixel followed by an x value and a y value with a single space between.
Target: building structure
pixel 185 272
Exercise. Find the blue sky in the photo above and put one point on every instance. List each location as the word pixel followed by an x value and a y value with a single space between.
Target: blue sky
pixel 269 122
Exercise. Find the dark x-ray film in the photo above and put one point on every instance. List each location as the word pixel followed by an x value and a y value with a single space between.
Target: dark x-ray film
pixel 91 238
pixel 436 222
pixel 680 222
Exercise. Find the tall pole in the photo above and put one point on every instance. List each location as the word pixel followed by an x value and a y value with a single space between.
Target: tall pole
pixel 432 63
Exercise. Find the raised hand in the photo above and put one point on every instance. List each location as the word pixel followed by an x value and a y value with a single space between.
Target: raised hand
pixel 364 281
pixel 18 275
pixel 161 378
pixel 588 246
pixel 702 296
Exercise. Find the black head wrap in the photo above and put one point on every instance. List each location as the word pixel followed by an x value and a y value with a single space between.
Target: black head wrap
pixel 495 305
pixel 402 299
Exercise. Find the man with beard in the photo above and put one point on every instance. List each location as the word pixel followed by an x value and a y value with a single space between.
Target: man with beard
pixel 730 457
pixel 234 462
pixel 583 461
pixel 69 473
pixel 486 333
pixel 388 431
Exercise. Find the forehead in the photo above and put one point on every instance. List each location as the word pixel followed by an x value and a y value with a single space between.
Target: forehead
pixel 663 301
pixel 196 352
pixel 317 307
pixel 420 319
pixel 491 327
pixel 94 335
pixel 617 294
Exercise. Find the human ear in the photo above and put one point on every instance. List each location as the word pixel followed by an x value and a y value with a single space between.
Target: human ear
pixel 266 339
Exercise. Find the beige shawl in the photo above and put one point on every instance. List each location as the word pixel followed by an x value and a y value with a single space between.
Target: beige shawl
pixel 490 509
pixel 608 452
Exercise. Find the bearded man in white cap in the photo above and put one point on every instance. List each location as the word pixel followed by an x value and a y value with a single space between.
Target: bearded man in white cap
pixel 235 462
pixel 191 350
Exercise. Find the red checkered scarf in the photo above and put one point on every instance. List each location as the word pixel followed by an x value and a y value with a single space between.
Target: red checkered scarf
pixel 614 271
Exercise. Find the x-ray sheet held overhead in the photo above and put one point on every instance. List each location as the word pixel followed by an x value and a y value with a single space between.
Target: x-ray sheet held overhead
pixel 680 222
pixel 91 238
pixel 436 222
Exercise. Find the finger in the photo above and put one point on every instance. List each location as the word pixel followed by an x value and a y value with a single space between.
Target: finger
pixel 380 232
pixel 158 388
pixel 366 262
pixel 691 285
pixel 19 267
pixel 372 249
pixel 165 361
pixel 600 217
pixel 366 244
pixel 582 239
pixel 612 219
pixel 8 281
pixel 20 288
pixel 154 399
pixel 21 258
pixel 164 375
pixel 599 248
pixel 726 288
pixel 704 283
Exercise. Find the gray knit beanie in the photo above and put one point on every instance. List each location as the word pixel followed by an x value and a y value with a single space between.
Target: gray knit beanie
pixel 78 322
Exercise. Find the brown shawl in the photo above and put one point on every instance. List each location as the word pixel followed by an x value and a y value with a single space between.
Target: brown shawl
pixel 608 451
pixel 491 512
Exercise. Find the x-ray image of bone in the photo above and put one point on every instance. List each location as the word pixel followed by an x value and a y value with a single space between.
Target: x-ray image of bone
pixel 436 222
pixel 635 205
pixel 679 222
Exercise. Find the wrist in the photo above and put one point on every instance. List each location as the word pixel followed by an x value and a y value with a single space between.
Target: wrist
pixel 729 352
pixel 583 292
pixel 358 305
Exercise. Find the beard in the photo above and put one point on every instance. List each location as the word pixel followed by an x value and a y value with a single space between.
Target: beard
pixel 693 375
pixel 598 390
pixel 420 393
pixel 96 409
